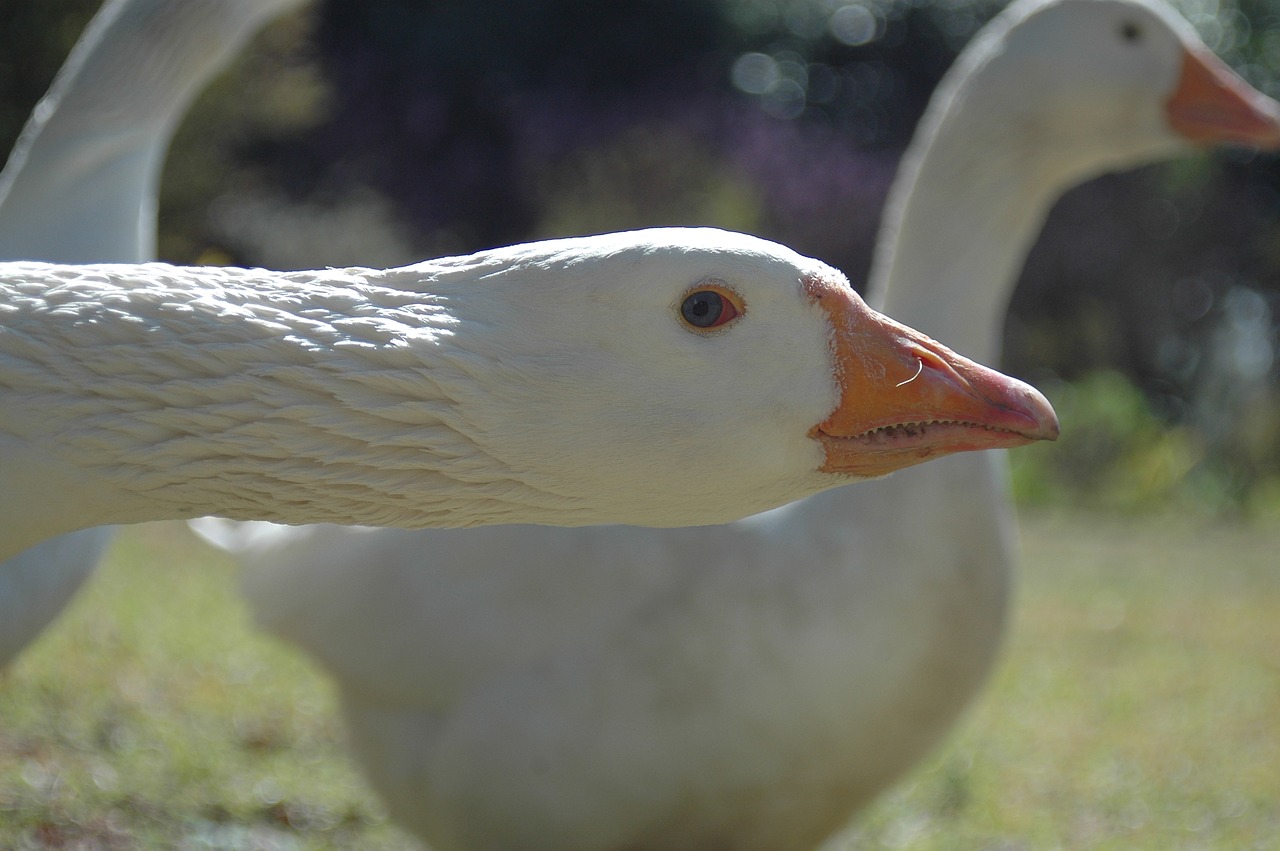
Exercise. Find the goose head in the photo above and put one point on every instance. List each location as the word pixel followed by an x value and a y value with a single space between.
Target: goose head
pixel 1099 85
pixel 712 365
pixel 665 377
pixel 1050 94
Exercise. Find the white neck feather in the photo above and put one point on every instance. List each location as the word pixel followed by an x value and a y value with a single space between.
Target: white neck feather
pixel 541 383
pixel 215 391
pixel 959 222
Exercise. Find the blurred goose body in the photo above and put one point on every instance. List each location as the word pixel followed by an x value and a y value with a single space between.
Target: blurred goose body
pixel 750 686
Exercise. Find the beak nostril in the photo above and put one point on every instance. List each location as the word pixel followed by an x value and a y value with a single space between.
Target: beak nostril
pixel 936 363
pixel 931 360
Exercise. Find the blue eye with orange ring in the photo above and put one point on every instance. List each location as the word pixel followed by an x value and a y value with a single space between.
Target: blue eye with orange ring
pixel 709 307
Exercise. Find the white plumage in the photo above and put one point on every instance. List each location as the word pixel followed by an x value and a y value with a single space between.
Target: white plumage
pixel 562 382
pixel 750 686
pixel 80 186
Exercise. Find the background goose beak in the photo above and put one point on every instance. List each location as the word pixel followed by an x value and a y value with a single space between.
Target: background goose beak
pixel 1213 105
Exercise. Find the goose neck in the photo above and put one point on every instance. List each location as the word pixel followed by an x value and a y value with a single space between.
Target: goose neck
pixel 957 229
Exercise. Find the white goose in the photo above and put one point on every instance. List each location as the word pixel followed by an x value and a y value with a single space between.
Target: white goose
pixel 751 686
pixel 662 377
pixel 80 186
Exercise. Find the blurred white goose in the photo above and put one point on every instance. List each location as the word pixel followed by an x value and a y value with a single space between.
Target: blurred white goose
pixel 80 186
pixel 661 377
pixel 750 686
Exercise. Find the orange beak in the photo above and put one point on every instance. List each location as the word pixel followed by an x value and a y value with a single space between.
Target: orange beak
pixel 1213 105
pixel 905 398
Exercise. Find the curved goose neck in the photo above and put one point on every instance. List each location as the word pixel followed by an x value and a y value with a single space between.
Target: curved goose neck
pixel 88 161
pixel 970 198
pixel 960 219
pixel 1005 134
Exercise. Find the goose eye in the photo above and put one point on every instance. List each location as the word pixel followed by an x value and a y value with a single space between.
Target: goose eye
pixel 1130 31
pixel 708 307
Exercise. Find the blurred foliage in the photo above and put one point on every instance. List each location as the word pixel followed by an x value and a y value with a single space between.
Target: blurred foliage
pixel 382 131
pixel 1117 454
pixel 1114 452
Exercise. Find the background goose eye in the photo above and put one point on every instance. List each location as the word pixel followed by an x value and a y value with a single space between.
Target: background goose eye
pixel 1130 31
pixel 708 308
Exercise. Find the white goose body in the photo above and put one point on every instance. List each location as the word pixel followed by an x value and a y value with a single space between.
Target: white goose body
pixel 681 694
pixel 562 382
pixel 747 686
pixel 80 186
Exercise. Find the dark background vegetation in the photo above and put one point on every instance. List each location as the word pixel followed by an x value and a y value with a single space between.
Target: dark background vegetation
pixel 377 132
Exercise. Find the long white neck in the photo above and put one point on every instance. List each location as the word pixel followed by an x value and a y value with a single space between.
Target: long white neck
pixel 300 398
pixel 960 219
pixel 969 200
pixel 1001 140
pixel 80 184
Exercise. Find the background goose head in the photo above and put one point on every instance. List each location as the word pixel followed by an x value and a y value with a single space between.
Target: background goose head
pixel 1050 94
pixel 1121 82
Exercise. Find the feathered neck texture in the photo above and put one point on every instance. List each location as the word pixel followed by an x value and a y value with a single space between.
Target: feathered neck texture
pixel 202 391
pixel 544 383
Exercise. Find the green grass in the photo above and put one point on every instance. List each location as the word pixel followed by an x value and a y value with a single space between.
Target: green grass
pixel 153 716
pixel 1137 707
